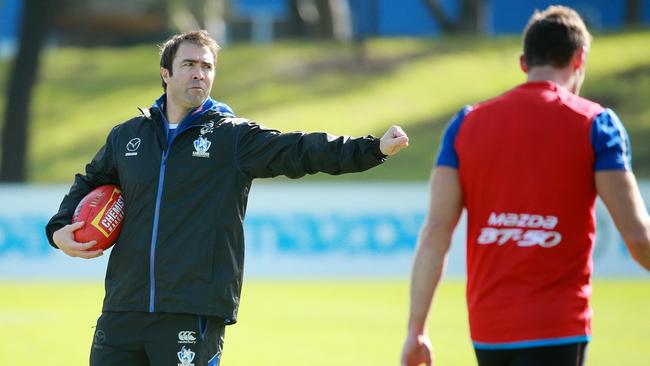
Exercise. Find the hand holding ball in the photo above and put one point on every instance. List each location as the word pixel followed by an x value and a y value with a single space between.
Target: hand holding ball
pixel 102 210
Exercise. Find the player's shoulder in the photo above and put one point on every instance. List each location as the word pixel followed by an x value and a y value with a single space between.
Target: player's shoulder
pixel 506 100
pixel 129 123
pixel 244 124
pixel 145 116
pixel 579 105
pixel 240 126
pixel 223 109
pixel 513 98
pixel 488 104
pixel 133 123
pixel 236 121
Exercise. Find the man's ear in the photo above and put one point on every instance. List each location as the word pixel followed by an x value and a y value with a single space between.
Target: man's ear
pixel 522 63
pixel 579 58
pixel 165 74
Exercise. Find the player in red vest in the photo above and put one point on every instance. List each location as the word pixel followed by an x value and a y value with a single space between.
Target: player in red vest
pixel 527 165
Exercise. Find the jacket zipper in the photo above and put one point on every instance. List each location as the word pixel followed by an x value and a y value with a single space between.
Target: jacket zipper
pixel 154 233
pixel 156 216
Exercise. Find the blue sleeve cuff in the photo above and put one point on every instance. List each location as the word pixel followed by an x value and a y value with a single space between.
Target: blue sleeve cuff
pixel 610 142
pixel 447 155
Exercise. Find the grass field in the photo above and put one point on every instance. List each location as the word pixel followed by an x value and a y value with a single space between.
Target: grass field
pixel 315 323
pixel 313 86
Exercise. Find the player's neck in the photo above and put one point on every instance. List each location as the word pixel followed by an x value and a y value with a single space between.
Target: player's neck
pixel 174 112
pixel 564 77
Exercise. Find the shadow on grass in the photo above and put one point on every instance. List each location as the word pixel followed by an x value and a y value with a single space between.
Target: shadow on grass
pixel 343 67
pixel 625 92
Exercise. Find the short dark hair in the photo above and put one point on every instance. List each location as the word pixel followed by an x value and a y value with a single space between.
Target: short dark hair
pixel 170 47
pixel 553 36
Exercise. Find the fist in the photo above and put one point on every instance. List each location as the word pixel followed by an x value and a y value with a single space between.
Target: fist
pixel 394 140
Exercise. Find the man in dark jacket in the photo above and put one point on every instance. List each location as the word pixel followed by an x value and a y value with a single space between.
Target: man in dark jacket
pixel 185 167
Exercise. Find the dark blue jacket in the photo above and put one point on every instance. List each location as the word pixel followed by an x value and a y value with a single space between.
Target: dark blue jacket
pixel 181 248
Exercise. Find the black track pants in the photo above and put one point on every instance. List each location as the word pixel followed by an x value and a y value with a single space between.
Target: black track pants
pixel 160 339
pixel 564 355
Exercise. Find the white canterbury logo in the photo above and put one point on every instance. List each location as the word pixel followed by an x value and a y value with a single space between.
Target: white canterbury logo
pixel 186 336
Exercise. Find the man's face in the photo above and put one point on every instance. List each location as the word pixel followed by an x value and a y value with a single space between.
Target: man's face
pixel 190 81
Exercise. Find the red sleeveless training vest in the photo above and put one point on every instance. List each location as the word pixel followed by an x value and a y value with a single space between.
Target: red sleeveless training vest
pixel 526 167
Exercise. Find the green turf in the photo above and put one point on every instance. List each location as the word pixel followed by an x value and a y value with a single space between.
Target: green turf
pixel 315 323
pixel 311 86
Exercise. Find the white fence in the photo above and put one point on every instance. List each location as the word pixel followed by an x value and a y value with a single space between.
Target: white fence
pixel 293 230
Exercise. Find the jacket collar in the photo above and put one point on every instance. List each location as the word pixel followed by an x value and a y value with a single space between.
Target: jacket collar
pixel 209 106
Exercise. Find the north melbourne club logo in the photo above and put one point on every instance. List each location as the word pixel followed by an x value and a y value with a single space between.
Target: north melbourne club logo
pixel 132 147
pixel 186 336
pixel 201 145
pixel 185 356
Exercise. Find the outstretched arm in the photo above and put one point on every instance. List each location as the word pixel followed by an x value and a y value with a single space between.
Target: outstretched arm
pixel 263 152
pixel 445 207
pixel 620 193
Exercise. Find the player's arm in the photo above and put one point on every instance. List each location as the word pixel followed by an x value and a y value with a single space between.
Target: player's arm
pixel 101 170
pixel 263 152
pixel 445 207
pixel 620 193
pixel 616 185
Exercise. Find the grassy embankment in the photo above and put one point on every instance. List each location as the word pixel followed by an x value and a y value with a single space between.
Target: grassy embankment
pixel 417 83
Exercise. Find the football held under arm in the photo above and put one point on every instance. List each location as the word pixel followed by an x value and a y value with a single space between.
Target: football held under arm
pixel 100 171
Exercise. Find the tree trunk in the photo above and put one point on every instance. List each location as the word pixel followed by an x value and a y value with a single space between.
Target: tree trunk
pixel 471 17
pixel 341 20
pixel 446 25
pixel 181 17
pixel 470 21
pixel 633 12
pixel 35 24
pixel 214 19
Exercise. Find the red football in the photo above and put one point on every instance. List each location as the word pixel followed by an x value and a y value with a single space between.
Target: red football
pixel 103 212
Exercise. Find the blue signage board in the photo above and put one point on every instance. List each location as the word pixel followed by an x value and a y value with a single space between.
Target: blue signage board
pixel 9 18
pixel 346 230
pixel 273 8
